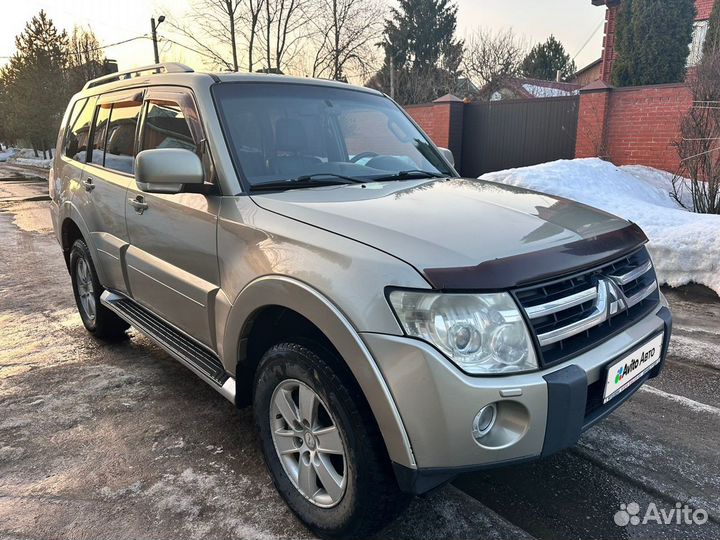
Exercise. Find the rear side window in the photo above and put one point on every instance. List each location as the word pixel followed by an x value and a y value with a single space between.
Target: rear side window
pixel 76 140
pixel 97 151
pixel 120 145
pixel 166 127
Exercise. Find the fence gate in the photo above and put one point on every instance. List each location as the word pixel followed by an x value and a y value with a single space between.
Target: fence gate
pixel 501 135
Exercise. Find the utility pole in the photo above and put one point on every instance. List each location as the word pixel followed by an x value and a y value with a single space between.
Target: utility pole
pixel 153 27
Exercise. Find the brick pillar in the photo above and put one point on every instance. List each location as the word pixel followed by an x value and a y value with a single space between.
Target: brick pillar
pixel 593 113
pixel 609 54
pixel 448 113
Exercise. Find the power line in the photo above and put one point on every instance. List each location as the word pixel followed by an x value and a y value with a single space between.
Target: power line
pixel 592 35
pixel 144 36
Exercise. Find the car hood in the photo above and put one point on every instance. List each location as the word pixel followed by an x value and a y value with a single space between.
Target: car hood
pixel 454 224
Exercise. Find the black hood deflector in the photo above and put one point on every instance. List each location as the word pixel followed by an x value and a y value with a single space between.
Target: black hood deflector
pixel 537 266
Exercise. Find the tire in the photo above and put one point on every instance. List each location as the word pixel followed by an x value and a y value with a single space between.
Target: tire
pixel 98 320
pixel 371 498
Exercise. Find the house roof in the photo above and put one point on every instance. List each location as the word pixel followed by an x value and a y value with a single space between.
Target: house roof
pixel 526 88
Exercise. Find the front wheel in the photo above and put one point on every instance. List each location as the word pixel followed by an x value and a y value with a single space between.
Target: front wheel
pixel 321 444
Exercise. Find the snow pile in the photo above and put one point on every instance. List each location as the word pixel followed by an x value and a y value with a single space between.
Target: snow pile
pixel 35 162
pixel 6 154
pixel 547 91
pixel 25 156
pixel 685 246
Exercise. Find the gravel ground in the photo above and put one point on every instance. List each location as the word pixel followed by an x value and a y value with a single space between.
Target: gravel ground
pixel 120 441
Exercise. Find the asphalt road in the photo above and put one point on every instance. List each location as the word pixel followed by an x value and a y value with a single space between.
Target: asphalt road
pixel 120 441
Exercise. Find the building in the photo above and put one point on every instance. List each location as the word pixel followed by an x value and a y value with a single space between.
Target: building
pixel 590 73
pixel 704 8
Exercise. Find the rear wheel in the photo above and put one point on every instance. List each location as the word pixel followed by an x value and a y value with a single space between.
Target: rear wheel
pixel 98 319
pixel 321 444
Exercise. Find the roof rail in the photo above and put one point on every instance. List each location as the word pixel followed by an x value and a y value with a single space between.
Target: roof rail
pixel 167 67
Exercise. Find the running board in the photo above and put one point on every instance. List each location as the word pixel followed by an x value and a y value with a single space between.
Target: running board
pixel 202 361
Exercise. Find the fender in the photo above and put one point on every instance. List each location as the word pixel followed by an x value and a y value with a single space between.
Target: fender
pixel 68 210
pixel 298 296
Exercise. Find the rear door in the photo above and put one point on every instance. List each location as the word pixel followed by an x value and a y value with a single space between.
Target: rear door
pixel 172 263
pixel 101 197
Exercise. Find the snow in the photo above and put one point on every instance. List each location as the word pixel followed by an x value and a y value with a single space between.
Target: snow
pixel 546 91
pixel 25 156
pixel 685 246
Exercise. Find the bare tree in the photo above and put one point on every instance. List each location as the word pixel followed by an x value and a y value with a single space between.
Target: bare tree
pixel 85 57
pixel 699 146
pixel 491 57
pixel 347 32
pixel 283 26
pixel 251 17
pixel 211 25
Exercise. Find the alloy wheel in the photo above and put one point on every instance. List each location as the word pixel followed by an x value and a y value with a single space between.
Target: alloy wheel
pixel 308 443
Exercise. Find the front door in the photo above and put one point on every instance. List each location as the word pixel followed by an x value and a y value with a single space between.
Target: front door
pixel 171 263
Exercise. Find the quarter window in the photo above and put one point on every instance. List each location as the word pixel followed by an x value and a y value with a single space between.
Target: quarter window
pixel 76 141
pixel 166 127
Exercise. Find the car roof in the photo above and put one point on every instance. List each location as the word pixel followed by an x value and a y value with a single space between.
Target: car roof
pixel 179 75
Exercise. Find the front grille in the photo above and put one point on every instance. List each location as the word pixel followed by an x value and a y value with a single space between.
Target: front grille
pixel 571 315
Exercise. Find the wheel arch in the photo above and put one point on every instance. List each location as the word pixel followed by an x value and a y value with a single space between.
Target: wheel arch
pixel 269 296
pixel 72 227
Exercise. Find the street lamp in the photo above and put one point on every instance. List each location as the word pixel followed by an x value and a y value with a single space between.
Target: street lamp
pixel 154 26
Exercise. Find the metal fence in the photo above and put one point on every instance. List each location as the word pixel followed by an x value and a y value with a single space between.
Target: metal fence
pixel 501 135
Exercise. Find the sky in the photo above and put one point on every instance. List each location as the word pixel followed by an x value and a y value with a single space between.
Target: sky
pixel 576 23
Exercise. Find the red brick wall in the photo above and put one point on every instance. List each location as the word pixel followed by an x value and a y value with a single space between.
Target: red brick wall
pixel 591 124
pixel 609 54
pixel 704 7
pixel 442 120
pixel 640 124
pixel 434 119
pixel 644 122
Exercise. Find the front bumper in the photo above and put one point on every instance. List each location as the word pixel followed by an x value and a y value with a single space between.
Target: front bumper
pixel 540 413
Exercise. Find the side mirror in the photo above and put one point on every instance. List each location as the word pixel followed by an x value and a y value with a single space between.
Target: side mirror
pixel 448 155
pixel 167 170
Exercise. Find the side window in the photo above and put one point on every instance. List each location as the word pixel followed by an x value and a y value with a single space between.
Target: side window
pixel 120 146
pixel 166 127
pixel 76 140
pixel 97 151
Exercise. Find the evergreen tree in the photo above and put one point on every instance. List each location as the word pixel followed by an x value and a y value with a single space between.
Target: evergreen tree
pixel 420 45
pixel 712 40
pixel 654 41
pixel 36 82
pixel 622 74
pixel 545 59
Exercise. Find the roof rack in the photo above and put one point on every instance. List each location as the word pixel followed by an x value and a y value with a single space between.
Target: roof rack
pixel 167 67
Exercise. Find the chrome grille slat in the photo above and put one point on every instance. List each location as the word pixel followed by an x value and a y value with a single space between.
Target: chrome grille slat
pixel 569 315
pixel 561 304
pixel 633 274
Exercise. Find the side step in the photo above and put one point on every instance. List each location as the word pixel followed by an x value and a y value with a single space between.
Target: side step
pixel 184 348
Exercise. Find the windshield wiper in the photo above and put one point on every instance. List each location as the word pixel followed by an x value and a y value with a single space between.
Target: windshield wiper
pixel 308 180
pixel 410 174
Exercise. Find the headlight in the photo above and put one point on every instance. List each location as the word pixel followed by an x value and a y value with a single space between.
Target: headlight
pixel 481 333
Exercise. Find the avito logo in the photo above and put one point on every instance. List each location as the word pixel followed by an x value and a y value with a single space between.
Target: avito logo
pixel 631 366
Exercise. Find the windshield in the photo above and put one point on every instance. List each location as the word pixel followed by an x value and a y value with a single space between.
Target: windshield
pixel 286 132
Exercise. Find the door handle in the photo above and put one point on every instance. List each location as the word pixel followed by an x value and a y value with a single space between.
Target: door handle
pixel 138 203
pixel 88 183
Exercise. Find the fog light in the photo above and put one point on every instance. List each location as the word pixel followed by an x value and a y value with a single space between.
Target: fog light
pixel 484 421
